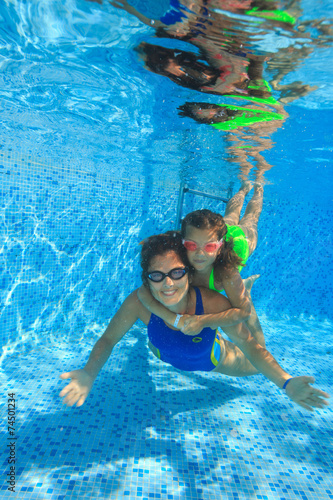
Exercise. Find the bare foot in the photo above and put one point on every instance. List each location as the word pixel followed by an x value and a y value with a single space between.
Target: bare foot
pixel 246 186
pixel 258 187
pixel 248 282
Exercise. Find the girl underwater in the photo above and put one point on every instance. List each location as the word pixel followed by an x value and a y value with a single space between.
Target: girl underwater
pixel 217 248
pixel 166 271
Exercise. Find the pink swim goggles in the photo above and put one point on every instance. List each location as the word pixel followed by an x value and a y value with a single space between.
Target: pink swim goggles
pixel 211 247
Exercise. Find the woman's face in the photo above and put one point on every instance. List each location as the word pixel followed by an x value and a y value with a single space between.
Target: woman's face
pixel 200 259
pixel 169 292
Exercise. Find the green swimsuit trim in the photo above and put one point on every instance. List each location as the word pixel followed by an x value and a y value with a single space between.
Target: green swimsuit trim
pixel 259 84
pixel 274 15
pixel 241 247
pixel 246 117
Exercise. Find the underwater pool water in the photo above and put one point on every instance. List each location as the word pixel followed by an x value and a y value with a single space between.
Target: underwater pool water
pixel 92 155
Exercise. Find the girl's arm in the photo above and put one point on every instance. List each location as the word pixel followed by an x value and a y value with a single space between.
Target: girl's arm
pixel 241 309
pixel 235 290
pixel 192 325
pixel 154 306
pixel 220 320
pixel 82 380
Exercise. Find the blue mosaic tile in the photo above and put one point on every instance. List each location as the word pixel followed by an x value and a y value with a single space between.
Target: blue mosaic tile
pixel 147 430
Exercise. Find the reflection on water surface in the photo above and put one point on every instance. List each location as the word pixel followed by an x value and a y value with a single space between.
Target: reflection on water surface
pixel 84 66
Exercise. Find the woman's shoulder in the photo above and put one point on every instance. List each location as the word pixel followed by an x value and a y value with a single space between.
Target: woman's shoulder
pixel 132 303
pixel 132 300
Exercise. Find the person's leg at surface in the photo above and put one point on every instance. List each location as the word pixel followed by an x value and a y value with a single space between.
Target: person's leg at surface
pixel 249 222
pixel 235 204
pixel 237 151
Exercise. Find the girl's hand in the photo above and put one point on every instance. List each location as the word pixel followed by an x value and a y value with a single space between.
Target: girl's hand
pixel 78 389
pixel 302 393
pixel 191 325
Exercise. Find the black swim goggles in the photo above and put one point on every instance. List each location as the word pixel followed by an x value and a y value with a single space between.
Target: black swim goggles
pixel 175 274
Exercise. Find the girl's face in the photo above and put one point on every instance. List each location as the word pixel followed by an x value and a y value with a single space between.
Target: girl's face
pixel 168 291
pixel 200 259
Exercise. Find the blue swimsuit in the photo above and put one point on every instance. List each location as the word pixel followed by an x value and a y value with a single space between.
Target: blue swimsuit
pixel 185 352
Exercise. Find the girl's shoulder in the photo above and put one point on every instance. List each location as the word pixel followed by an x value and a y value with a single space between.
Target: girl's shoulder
pixel 226 274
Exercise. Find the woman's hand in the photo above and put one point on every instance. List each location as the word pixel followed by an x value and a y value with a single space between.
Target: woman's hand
pixel 191 325
pixel 78 389
pixel 302 393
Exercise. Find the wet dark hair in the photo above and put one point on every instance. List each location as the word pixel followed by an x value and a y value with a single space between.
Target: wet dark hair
pixel 190 109
pixel 160 244
pixel 206 219
pixel 196 73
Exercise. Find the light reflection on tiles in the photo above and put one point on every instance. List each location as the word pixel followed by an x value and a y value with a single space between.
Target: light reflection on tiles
pixel 147 430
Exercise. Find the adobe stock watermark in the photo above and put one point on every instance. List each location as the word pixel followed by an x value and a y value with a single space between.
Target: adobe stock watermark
pixel 11 442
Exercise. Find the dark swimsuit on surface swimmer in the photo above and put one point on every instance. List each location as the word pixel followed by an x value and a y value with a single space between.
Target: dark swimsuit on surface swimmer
pixel 174 14
pixel 185 352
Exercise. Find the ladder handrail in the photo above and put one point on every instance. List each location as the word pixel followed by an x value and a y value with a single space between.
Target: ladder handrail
pixel 207 195
pixel 185 189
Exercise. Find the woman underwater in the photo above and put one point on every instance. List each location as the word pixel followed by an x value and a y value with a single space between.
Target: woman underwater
pixel 166 271
pixel 217 248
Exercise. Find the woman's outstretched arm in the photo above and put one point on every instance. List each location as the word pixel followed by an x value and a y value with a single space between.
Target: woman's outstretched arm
pixel 82 380
pixel 297 388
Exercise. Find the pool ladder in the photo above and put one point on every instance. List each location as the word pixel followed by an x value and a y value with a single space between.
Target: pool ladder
pixel 185 189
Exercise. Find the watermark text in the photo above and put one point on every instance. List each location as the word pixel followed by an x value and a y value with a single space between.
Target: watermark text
pixel 11 442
